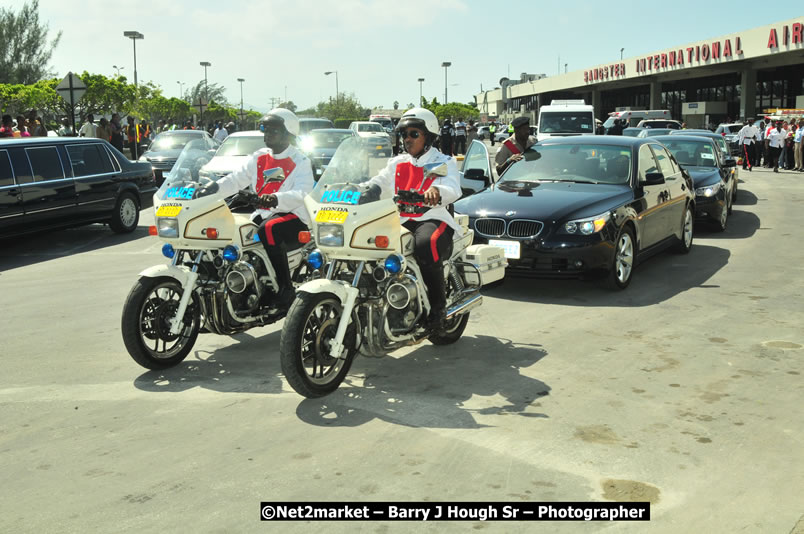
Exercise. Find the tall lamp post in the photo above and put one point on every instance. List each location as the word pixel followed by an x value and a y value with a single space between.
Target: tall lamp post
pixel 420 92
pixel 134 36
pixel 205 64
pixel 621 53
pixel 446 65
pixel 241 80
pixel 118 69
pixel 337 92
pixel 181 90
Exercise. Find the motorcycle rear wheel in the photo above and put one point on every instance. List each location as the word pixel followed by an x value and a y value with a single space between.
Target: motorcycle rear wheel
pixel 145 324
pixel 310 326
pixel 452 331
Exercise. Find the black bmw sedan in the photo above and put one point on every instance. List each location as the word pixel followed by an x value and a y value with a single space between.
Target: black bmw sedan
pixel 582 204
pixel 711 175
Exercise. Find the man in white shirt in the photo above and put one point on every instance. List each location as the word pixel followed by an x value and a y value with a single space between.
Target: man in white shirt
pixel 89 128
pixel 776 141
pixel 797 148
pixel 748 135
pixel 220 133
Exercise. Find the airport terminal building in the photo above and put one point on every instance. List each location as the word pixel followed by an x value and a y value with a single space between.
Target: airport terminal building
pixel 743 74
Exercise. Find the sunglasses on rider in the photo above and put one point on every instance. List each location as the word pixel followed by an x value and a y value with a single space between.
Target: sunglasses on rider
pixel 413 134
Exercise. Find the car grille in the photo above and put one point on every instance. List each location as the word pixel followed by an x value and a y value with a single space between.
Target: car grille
pixel 163 164
pixel 524 228
pixel 490 227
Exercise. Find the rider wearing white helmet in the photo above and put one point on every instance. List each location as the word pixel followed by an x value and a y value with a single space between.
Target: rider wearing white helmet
pixel 284 215
pixel 433 230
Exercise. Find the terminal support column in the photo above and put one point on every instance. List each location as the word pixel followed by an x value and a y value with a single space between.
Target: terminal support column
pixel 596 104
pixel 655 95
pixel 748 94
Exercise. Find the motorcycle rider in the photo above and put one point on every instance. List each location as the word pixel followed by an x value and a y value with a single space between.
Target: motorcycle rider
pixel 281 214
pixel 433 230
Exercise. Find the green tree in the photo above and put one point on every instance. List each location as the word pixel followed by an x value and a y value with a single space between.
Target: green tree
pixel 213 93
pixel 24 50
pixel 289 105
pixel 344 107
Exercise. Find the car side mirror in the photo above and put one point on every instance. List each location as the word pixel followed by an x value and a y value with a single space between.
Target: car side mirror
pixel 654 178
pixel 434 170
pixel 476 174
pixel 730 163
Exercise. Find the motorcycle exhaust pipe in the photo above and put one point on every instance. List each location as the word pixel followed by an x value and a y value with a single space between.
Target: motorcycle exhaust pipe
pixel 468 303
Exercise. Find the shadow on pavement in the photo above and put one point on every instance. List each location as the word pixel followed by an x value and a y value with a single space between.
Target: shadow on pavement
pixel 31 249
pixel 745 197
pixel 741 225
pixel 250 366
pixel 658 279
pixel 429 387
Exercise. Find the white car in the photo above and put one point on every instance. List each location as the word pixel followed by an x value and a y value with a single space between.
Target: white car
pixel 231 153
pixel 373 134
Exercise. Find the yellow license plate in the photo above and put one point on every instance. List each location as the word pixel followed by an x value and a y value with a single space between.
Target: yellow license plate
pixel 331 216
pixel 168 211
pixel 379 147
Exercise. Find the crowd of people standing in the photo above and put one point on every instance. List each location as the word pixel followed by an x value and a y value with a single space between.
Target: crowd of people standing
pixel 773 145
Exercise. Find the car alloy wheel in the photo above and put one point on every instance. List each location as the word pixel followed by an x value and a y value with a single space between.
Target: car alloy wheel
pixel 128 212
pixel 624 258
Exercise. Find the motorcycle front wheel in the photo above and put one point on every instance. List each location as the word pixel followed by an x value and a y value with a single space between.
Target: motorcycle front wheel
pixel 304 348
pixel 147 313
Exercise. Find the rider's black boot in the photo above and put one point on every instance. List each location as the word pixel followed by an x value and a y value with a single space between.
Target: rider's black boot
pixel 433 277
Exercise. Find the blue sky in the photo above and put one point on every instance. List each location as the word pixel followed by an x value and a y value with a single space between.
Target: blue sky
pixel 379 48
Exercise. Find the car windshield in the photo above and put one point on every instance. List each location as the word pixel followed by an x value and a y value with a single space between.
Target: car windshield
pixel 241 145
pixel 369 127
pixel 325 139
pixel 653 132
pixel 693 153
pixel 306 126
pixel 632 132
pixel 172 141
pixel 585 163
pixel 565 122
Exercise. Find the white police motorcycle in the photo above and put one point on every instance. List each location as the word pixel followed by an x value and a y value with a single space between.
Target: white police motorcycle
pixel 372 298
pixel 219 277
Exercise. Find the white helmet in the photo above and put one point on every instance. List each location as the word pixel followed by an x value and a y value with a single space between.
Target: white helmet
pixel 419 118
pixel 288 118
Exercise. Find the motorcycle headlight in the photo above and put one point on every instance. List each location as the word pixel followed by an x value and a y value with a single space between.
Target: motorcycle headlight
pixel 167 227
pixel 708 190
pixel 330 235
pixel 587 226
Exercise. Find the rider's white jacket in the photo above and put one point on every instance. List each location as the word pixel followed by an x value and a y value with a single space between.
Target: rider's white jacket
pixel 449 186
pixel 290 194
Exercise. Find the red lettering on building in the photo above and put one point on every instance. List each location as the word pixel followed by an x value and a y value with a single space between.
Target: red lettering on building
pixel 727 48
pixel 597 74
pixel 705 52
pixel 622 69
pixel 785 35
pixel 680 58
pixel 672 59
pixel 690 50
pixel 698 53
pixel 656 62
pixel 716 50
pixel 586 76
pixel 798 33
pixel 737 49
pixel 664 61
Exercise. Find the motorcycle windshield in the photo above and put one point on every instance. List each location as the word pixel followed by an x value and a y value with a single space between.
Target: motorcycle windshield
pixel 343 178
pixel 183 181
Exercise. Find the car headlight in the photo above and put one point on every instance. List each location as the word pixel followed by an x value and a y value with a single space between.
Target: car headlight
pixel 330 235
pixel 167 227
pixel 587 226
pixel 708 190
pixel 143 159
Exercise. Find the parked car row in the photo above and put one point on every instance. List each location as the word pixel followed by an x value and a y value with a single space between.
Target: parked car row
pixel 577 206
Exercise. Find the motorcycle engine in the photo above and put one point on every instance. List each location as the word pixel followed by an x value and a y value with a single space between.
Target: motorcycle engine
pixel 243 286
pixel 402 296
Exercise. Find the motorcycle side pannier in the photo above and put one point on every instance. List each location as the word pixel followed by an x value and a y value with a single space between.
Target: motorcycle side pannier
pixel 489 260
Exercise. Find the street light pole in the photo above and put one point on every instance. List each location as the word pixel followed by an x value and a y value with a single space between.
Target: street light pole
pixel 134 36
pixel 420 91
pixel 241 80
pixel 181 90
pixel 621 53
pixel 205 64
pixel 446 65
pixel 118 69
pixel 337 92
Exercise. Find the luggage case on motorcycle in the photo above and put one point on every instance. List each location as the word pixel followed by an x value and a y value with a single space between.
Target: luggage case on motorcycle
pixel 489 260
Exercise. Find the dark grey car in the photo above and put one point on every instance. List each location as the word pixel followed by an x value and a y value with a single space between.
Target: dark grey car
pixel 166 147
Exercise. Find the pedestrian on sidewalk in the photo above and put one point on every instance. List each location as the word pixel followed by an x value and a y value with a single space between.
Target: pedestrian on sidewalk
pixel 748 135
pixel 797 154
pixel 776 141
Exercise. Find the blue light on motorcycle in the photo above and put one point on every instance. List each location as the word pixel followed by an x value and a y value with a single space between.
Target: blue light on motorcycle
pixel 230 253
pixel 393 263
pixel 168 251
pixel 315 259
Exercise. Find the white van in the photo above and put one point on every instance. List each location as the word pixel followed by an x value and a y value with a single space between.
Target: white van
pixel 632 118
pixel 564 118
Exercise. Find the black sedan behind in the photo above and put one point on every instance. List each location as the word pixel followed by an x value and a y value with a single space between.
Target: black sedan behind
pixel 578 205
